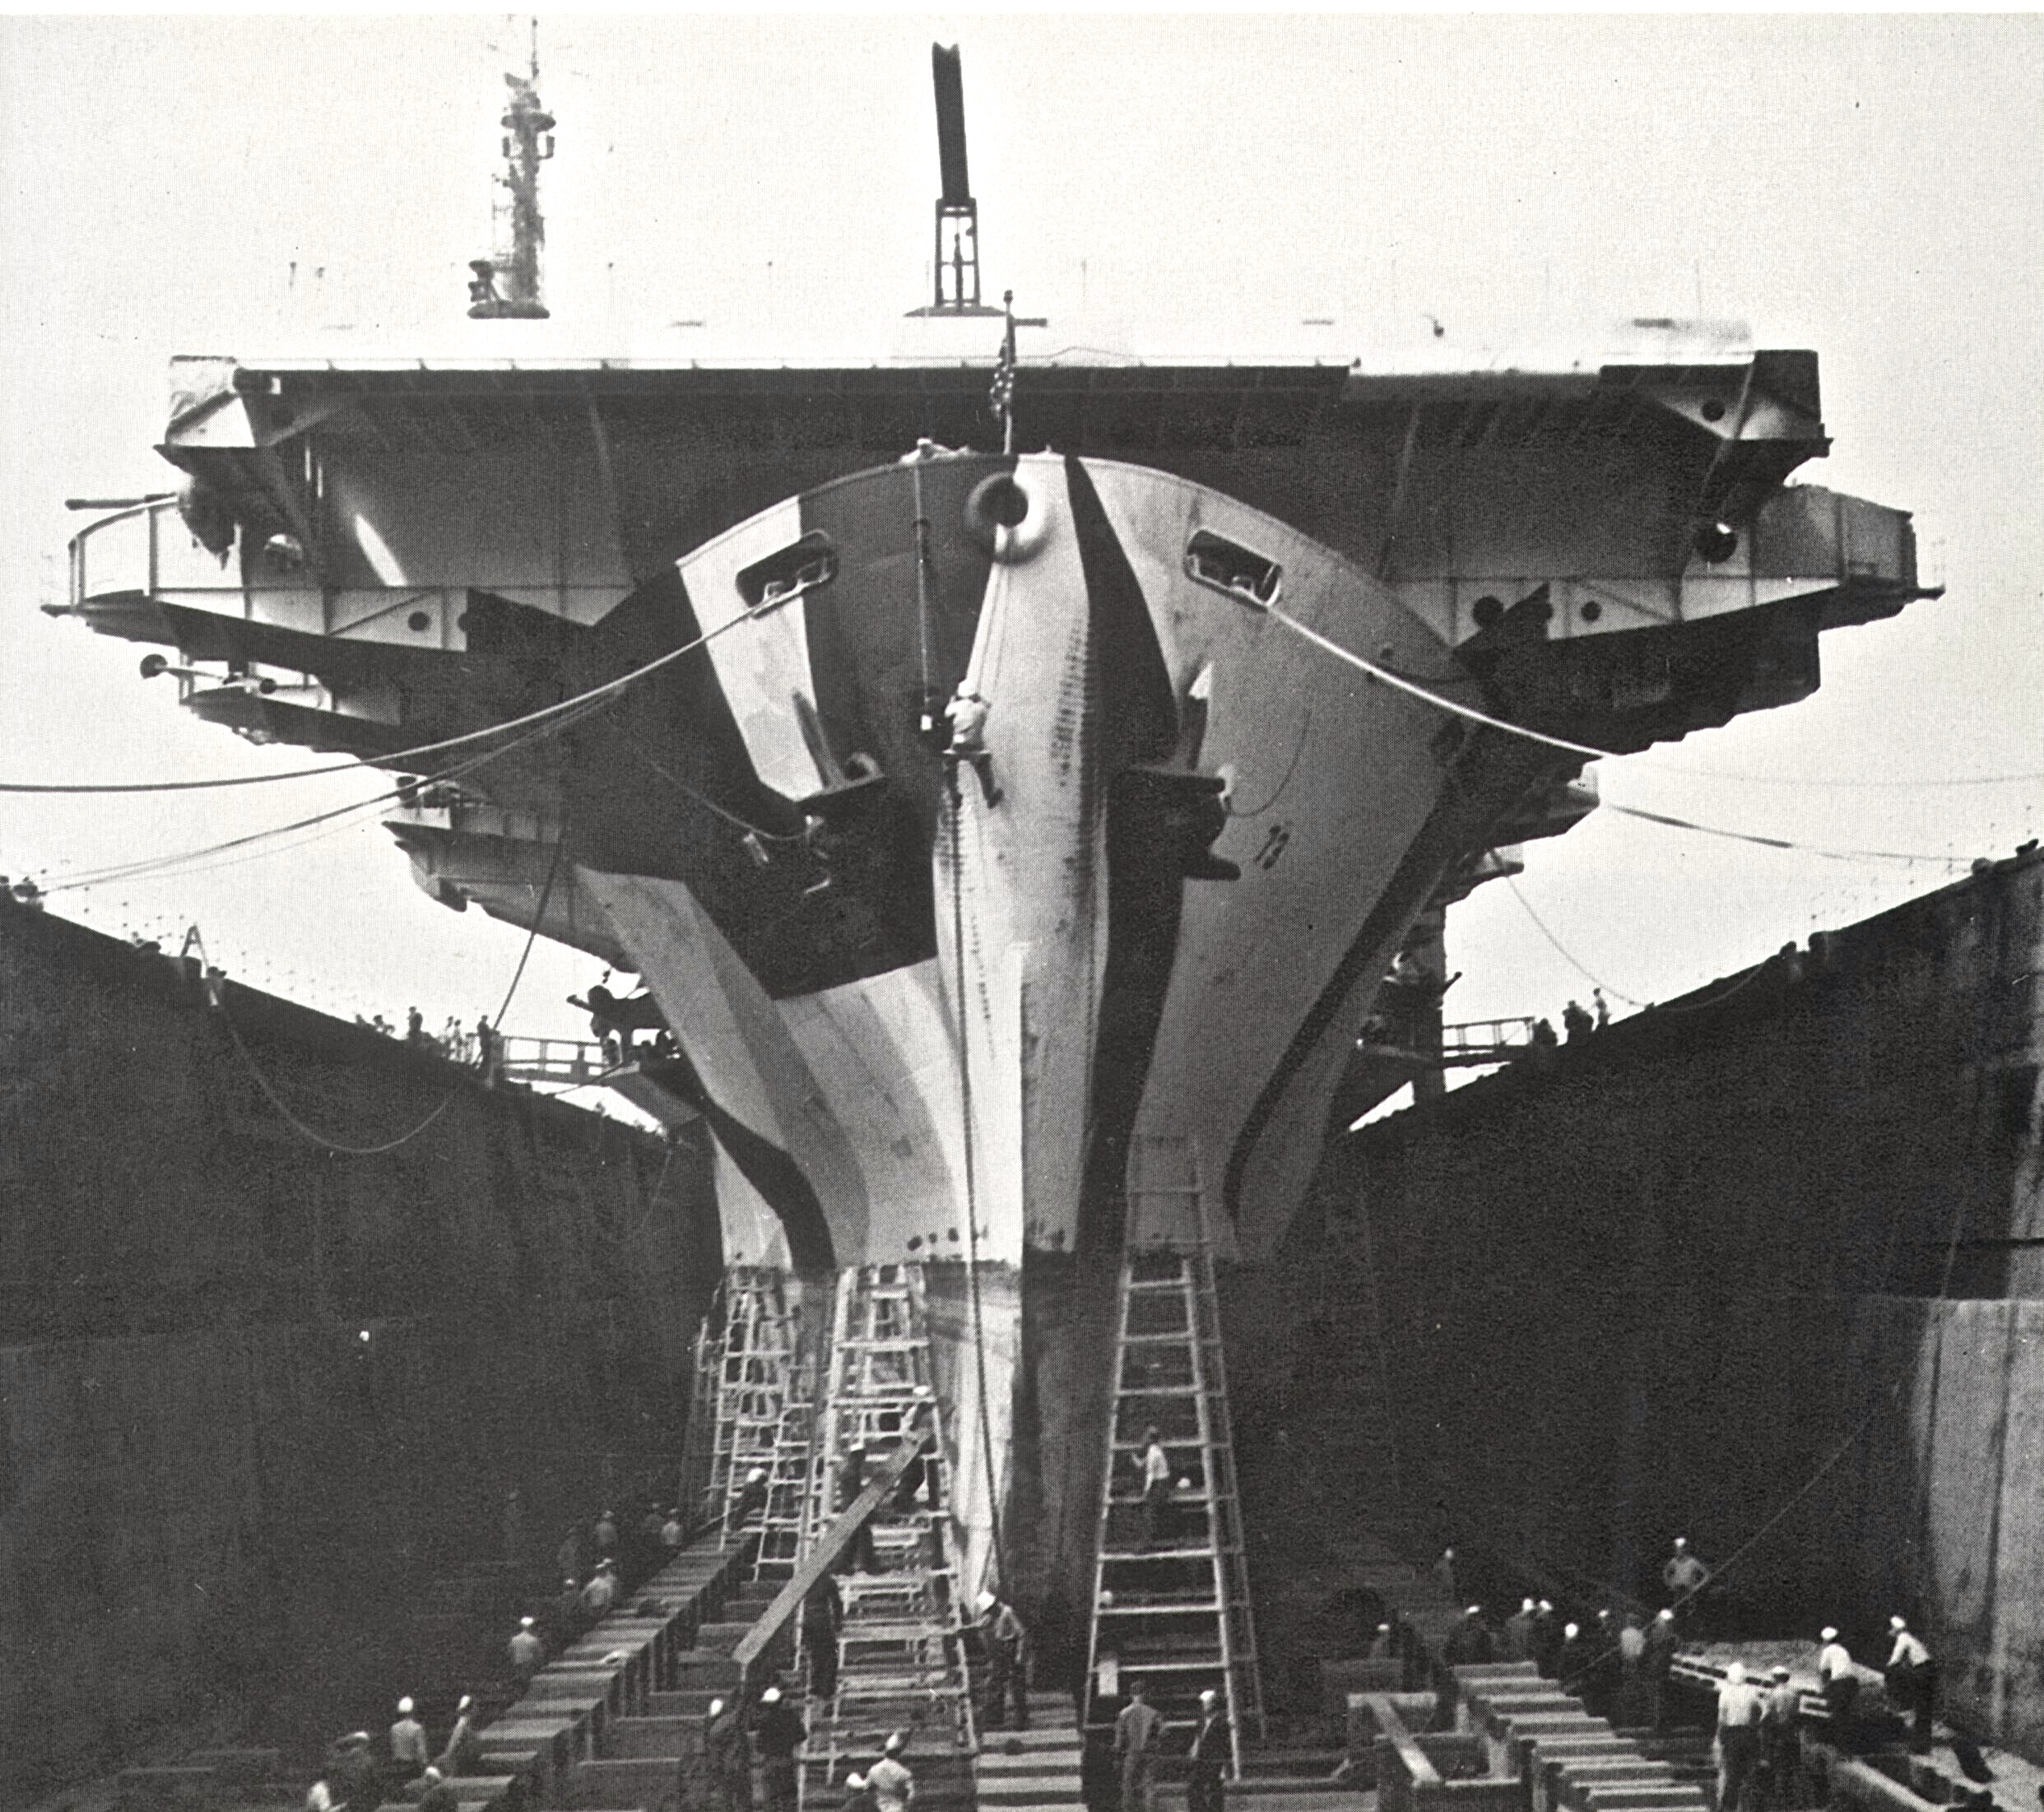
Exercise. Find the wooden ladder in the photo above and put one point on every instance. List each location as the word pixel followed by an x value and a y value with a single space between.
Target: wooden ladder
pixel 1171 1604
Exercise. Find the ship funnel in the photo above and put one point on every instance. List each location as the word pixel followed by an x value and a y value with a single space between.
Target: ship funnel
pixel 955 266
pixel 505 286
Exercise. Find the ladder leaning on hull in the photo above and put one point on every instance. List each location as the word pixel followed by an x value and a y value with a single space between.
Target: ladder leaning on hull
pixel 762 1410
pixel 1171 1601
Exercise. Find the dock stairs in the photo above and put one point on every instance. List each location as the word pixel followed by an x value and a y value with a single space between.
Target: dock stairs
pixel 1171 1603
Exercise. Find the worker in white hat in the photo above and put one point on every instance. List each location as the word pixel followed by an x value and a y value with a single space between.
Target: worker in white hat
pixel 408 1755
pixel 1740 1706
pixel 525 1650
pixel 1840 1681
pixel 890 1779
pixel 776 1736
pixel 726 1759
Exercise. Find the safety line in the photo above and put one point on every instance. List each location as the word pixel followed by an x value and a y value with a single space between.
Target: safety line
pixel 1562 951
pixel 972 1207
pixel 1776 843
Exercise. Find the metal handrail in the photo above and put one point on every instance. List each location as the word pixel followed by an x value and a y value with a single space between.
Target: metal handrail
pixel 554 1060
pixel 149 511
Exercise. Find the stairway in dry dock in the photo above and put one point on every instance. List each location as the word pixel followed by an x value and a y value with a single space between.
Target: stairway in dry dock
pixel 1036 1770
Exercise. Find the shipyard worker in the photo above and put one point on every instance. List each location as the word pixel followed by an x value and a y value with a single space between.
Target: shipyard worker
pixel 489 1051
pixel 319 1796
pixel 893 1786
pixel 1541 1042
pixel 1444 1573
pixel 726 1760
pixel 1575 1021
pixel 861 1555
pixel 1740 1707
pixel 673 1533
pixel 1547 1638
pixel 1211 1753
pixel 1781 1749
pixel 567 1613
pixel 1136 1733
pixel 752 1499
pixel 909 1485
pixel 1156 1470
pixel 858 1795
pixel 1468 1643
pixel 1658 1663
pixel 605 1531
pixel 967 715
pixel 823 1612
pixel 408 1754
pixel 415 1027
pixel 776 1735
pixel 568 1557
pixel 1632 1688
pixel 436 1795
pixel 601 1593
pixel 1911 1682
pixel 525 1651
pixel 1601 1006
pixel 1007 1641
pixel 1840 1684
pixel 463 1753
pixel 1383 1644
pixel 1518 1632
pixel 1572 1661
pixel 1602 1697
pixel 1683 1574
pixel 352 1775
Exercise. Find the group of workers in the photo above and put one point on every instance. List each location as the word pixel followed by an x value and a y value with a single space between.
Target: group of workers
pixel 1758 1746
pixel 1620 1664
pixel 1139 1741
pixel 355 1775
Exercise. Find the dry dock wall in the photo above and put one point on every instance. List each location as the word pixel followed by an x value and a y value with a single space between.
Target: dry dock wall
pixel 219 1507
pixel 1764 1266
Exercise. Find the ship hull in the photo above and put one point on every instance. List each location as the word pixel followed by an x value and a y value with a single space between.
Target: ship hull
pixel 1001 989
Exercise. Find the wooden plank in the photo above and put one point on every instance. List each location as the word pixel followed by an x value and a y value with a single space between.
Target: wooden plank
pixel 826 1553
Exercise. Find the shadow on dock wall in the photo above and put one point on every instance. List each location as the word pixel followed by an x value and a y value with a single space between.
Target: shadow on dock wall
pixel 223 1512
pixel 1765 1269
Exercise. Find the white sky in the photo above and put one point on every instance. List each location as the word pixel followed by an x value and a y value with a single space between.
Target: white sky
pixel 1870 186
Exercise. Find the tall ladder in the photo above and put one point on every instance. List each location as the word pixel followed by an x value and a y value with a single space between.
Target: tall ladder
pixel 765 1409
pixel 899 1654
pixel 1173 1611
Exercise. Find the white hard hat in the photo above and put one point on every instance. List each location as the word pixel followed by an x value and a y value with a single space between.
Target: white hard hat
pixel 1897 1622
pixel 1474 1610
pixel 894 1744
pixel 988 1600
pixel 1210 1697
pixel 525 1622
pixel 716 1706
pixel 404 1705
pixel 855 1782
pixel 1829 1635
pixel 1572 1629
pixel 771 1696
pixel 1735 1673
